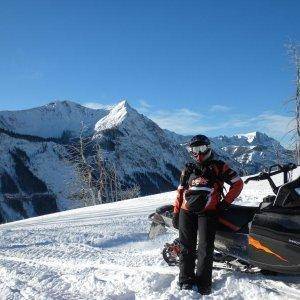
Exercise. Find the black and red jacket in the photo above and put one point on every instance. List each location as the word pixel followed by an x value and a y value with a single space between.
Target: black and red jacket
pixel 206 181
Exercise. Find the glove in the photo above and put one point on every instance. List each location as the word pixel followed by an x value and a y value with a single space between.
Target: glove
pixel 175 220
pixel 190 167
pixel 222 205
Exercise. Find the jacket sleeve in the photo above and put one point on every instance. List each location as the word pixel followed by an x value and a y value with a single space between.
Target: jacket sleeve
pixel 234 180
pixel 184 178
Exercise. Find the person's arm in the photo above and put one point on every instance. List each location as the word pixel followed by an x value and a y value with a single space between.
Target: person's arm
pixel 236 184
pixel 177 205
pixel 179 199
pixel 185 174
pixel 184 178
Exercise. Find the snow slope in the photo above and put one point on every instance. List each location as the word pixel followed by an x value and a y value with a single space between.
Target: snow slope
pixel 103 252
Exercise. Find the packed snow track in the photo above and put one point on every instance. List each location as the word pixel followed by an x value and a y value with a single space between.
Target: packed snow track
pixel 103 252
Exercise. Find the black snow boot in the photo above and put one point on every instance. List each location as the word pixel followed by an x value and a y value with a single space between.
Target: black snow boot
pixel 186 286
pixel 204 290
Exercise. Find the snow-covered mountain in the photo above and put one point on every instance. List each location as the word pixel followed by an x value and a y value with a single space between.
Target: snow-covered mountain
pixel 52 120
pixel 254 151
pixel 144 153
pixel 34 170
pixel 248 153
pixel 37 178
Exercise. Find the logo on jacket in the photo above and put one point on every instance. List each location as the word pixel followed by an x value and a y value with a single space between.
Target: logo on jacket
pixel 199 181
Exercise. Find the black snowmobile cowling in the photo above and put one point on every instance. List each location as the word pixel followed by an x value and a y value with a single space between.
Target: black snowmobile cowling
pixel 267 236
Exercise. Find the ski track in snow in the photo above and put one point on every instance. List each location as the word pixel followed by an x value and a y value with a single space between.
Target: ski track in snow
pixel 103 252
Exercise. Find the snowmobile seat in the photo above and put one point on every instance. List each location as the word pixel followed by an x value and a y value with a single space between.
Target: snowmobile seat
pixel 237 218
pixel 166 210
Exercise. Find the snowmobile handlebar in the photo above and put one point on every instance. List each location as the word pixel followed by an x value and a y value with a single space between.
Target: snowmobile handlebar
pixel 271 171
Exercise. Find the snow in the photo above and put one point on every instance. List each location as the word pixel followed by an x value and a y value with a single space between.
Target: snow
pixel 103 252
pixel 249 136
pixel 116 116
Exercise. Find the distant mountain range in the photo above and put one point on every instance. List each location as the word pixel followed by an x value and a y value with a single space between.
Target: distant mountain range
pixel 253 151
pixel 36 177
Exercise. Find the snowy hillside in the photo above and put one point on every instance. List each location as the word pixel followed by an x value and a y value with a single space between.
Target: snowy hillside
pixel 103 252
pixel 34 179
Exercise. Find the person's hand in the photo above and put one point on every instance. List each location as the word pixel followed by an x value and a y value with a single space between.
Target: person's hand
pixel 175 220
pixel 190 167
pixel 222 205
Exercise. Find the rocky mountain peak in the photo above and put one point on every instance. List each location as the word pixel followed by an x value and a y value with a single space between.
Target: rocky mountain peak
pixel 255 137
pixel 120 113
pixel 63 103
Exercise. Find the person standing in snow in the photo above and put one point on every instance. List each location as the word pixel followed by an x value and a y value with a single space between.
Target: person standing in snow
pixel 199 199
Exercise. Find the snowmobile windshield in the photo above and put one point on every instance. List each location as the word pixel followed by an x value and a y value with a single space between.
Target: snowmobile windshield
pixel 289 194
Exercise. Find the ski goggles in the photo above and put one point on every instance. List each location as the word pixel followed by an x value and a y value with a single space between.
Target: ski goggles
pixel 199 149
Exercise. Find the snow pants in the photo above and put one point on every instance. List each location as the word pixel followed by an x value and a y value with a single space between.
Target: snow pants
pixel 204 226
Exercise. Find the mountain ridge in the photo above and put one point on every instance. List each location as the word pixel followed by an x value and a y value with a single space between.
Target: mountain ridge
pixel 51 120
pixel 244 148
pixel 143 154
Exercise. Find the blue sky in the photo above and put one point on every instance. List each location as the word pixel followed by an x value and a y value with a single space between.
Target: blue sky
pixel 216 67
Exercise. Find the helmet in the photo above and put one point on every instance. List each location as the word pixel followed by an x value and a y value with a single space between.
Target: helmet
pixel 199 148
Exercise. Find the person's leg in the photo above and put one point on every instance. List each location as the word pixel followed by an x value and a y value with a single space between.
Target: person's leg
pixel 188 224
pixel 206 236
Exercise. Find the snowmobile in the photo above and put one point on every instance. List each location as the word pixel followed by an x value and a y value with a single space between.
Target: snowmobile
pixel 264 238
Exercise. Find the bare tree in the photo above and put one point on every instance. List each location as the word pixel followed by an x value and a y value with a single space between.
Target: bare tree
pixel 294 54
pixel 277 153
pixel 84 169
pixel 130 193
pixel 100 182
